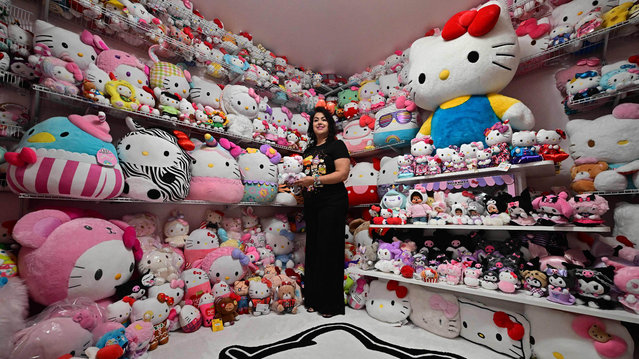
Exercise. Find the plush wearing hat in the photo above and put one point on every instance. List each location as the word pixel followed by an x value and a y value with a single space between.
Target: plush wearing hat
pixel 69 258
pixel 458 74
pixel 67 156
pixel 226 264
pixel 51 338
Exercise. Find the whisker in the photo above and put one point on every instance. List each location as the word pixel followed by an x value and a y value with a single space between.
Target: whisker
pixel 508 55
pixel 75 276
pixel 73 286
pixel 81 267
pixel 504 44
pixel 502 66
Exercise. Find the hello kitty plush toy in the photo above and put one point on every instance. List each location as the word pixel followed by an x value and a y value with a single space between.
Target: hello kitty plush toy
pixel 533 36
pixel 358 134
pixel 282 245
pixel 176 230
pixel 259 173
pixel 388 302
pixel 446 156
pixel 159 262
pixel 498 138
pixel 240 104
pixel 553 209
pixel 470 151
pixel 168 103
pixel 124 66
pixel 445 70
pixel 524 148
pixel 458 162
pixel 584 85
pixel 67 45
pixel 361 183
pixel 83 249
pixel 224 264
pixel 484 158
pixel 167 76
pixel 158 308
pixel 434 165
pixel 60 76
pixel 260 296
pixel 205 93
pixel 406 166
pixel 588 209
pixel 196 284
pixel 291 169
pixel 548 142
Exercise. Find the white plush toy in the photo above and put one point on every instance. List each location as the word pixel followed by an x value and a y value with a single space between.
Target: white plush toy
pixel 619 75
pixel 458 74
pixel 388 302
pixel 389 84
pixel 241 106
pixel 387 174
pixel 205 93
pixel 612 139
pixel 533 36
pixel 435 312
pixel 627 222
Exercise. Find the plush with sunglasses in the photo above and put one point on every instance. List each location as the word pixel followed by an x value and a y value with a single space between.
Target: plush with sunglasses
pixel 396 123
pixel 457 76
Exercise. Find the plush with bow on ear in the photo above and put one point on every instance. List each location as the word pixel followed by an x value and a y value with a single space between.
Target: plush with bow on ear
pixel 378 304
pixel 437 313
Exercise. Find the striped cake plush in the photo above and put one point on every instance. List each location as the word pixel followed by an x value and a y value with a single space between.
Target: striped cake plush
pixel 156 166
pixel 67 156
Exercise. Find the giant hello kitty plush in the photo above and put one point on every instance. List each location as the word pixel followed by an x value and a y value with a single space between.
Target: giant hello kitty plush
pixel 361 183
pixel 70 258
pixel 458 74
pixel 66 45
pixel 241 105
pixel 259 173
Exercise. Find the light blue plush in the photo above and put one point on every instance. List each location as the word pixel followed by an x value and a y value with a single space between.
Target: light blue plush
pixel 464 123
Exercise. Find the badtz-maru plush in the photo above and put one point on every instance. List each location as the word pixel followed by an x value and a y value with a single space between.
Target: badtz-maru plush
pixel 458 74
pixel 611 139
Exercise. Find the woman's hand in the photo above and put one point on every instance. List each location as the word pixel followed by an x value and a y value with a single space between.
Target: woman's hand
pixel 305 182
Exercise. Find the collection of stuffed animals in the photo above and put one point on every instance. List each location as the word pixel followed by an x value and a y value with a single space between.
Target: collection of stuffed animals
pixel 121 286
pixel 501 209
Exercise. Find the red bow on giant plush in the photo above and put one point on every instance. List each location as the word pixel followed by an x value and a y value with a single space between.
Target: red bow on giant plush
pixel 476 23
pixel 400 291
pixel 515 330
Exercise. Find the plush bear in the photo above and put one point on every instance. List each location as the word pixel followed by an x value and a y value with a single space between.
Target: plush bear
pixel 70 258
pixel 226 309
pixel 609 139
pixel 241 106
pixel 155 164
pixel 79 147
pixel 286 298
pixel 583 174
pixel 445 76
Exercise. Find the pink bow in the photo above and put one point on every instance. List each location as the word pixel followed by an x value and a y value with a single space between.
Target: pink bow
pixel 437 302
pixel 187 4
pixel 287 112
pixel 306 116
pixel 131 241
pixel 361 282
pixel 591 61
pixel 501 127
pixel 254 95
pixel 42 49
pixel 281 217
pixel 233 149
pixel 403 102
pixel 177 283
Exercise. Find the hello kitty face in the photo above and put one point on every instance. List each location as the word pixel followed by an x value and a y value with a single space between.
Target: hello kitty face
pixel 176 293
pixel 524 139
pixel 472 272
pixel 194 277
pixel 275 225
pixel 264 116
pixel 388 170
pixel 280 244
pixel 281 118
pixel 293 86
pixel 362 174
pixel 577 85
pixel 133 75
pixel 446 154
pixel 19 35
pixel 384 304
pixel 144 149
pixel 97 279
pixel 61 73
pixel 175 83
pixel 226 269
pixel 257 167
pixel 353 131
pixel 571 13
pixel 168 99
pixel 351 106
pixel 404 160
pixel 508 276
pixel 471 150
pixel 421 148
pixel 258 289
pixel 64 44
pixel 493 137
pixel 389 85
pixel 266 255
pixel 118 312
pixel 367 90
pixel 258 125
pixel 175 228
pixel 550 137
pixel 159 311
pixel 145 98
pixel 221 289
pixel 462 66
pixel 290 165
pixel 189 314
pixel 237 100
pixel 97 77
pixel 364 106
pixel 561 30
pixel 206 93
pixel 457 158
pixel 202 238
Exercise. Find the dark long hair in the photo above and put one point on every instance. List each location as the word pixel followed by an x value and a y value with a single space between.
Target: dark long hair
pixel 332 128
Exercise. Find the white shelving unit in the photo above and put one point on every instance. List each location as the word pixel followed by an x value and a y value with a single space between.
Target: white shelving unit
pixel 518 297
pixel 378 151
pixel 562 228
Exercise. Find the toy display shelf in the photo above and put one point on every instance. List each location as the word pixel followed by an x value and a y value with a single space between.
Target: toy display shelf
pixel 625 192
pixel 551 55
pixel 34 196
pixel 603 98
pixel 532 169
pixel 10 13
pixel 78 101
pixel 10 133
pixel 540 10
pixel 337 89
pixel 378 151
pixel 518 297
pixel 179 49
pixel 13 80
pixel 557 228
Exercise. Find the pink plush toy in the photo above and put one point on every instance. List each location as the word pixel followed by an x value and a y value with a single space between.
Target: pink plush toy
pixel 607 345
pixel 627 280
pixel 553 209
pixel 226 264
pixel 60 76
pixel 51 338
pixel 124 66
pixel 139 334
pixel 70 258
pixel 588 209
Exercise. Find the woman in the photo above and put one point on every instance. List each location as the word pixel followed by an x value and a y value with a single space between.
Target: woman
pixel 326 165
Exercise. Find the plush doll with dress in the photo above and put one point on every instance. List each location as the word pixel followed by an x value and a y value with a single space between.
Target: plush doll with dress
pixel 548 142
pixel 80 146
pixel 588 209
pixel 445 76
pixel 524 148
pixel 259 173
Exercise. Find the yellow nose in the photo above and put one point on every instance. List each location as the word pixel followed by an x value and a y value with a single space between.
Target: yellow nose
pixel 622 142
pixel 42 137
pixel 144 153
pixel 210 165
pixel 246 107
pixel 140 81
pixel 444 74
pixel 246 168
pixel 217 100
pixel 361 176
pixel 381 305
pixel 184 91
pixel 395 173
pixel 226 278
pixel 80 54
pixel 118 276
pixel 557 355
pixel 579 13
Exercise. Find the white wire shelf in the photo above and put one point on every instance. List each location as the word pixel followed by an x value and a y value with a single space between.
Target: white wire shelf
pixel 604 97
pixel 78 101
pixel 557 228
pixel 624 192
pixel 10 13
pixel 553 53
pixel 11 132
pixel 533 169
pixel 518 297
pixel 373 152
pixel 133 200
pixel 13 80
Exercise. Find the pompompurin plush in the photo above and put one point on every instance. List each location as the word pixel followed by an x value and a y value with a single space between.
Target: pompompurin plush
pixel 457 76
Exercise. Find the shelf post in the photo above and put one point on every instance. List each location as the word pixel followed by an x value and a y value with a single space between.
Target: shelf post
pixel 44 10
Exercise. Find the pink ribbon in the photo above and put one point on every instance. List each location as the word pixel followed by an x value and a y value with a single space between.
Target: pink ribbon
pixel 255 96
pixel 437 302
pixel 501 127
pixel 233 149
pixel 361 282
pixel 287 112
pixel 591 61
pixel 177 283
pixel 306 116
pixel 403 102
pixel 131 241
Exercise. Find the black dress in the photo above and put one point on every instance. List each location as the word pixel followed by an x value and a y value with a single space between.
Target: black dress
pixel 325 210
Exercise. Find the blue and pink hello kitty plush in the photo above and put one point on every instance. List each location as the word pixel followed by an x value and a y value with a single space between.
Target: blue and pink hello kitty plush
pixel 259 173
pixel 457 75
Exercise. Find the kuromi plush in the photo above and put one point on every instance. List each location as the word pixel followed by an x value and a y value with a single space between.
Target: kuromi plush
pixel 458 74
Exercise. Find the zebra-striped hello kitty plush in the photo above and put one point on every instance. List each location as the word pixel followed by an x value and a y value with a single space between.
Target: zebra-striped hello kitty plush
pixel 458 74
pixel 156 167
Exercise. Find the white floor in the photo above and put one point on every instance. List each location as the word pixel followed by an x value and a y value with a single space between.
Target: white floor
pixel 252 331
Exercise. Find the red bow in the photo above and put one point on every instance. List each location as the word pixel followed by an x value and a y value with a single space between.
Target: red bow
pixel 401 291
pixel 515 330
pixel 476 23
pixel 367 121
pixel 468 194
pixel 561 133
pixel 128 300
pixel 634 59
pixel 163 298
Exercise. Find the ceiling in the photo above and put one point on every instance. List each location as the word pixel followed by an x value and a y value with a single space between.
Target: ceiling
pixel 333 36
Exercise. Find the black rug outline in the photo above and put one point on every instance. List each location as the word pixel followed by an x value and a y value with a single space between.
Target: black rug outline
pixel 306 338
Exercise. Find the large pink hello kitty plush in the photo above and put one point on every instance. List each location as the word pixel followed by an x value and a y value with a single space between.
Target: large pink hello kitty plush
pixel 70 258
pixel 124 66
pixel 226 264
pixel 458 74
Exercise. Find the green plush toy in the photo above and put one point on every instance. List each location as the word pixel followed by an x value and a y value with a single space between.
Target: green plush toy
pixel 348 95
pixel 348 283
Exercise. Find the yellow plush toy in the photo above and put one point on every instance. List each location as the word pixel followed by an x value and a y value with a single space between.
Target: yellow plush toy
pixel 617 14
pixel 122 94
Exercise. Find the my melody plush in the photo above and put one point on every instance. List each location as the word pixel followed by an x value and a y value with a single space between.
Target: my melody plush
pixel 388 302
pixel 445 74
pixel 155 164
pixel 609 139
pixel 240 104
pixel 80 146
pixel 361 183
pixel 553 209
pixel 215 173
pixel 625 279
pixel 82 248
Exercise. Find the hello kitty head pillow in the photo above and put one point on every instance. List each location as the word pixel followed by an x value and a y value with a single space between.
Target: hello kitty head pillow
pixel 240 100
pixel 124 66
pixel 167 76
pixel 82 49
pixel 206 93
pixel 70 258
pixel 533 36
pixel 224 264
pixel 388 301
pixel 259 173
pixel 299 122
pixel 570 13
pixel 437 313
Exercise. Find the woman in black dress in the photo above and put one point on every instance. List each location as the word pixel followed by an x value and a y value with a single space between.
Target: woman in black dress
pixel 326 165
